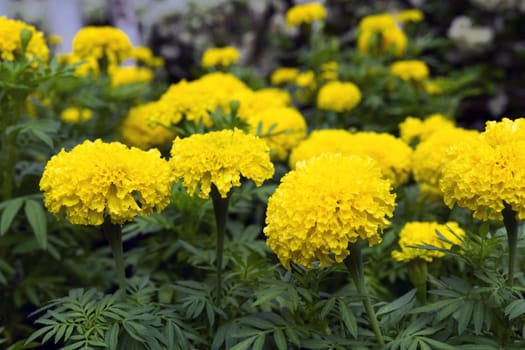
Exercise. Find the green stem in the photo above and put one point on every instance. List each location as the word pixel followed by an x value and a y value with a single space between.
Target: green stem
pixel 354 263
pixel 220 208
pixel 9 167
pixel 418 274
pixel 511 225
pixel 114 236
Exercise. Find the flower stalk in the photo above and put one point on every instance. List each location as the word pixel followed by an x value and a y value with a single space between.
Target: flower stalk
pixel 354 263
pixel 418 273
pixel 220 209
pixel 113 234
pixel 511 225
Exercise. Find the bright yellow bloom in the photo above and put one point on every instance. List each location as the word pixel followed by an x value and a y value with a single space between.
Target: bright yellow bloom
pixel 483 173
pixel 142 127
pixel 429 159
pixel 253 102
pixel 123 75
pixel 305 13
pixel 84 66
pixel 282 128
pixel 329 70
pixel 229 85
pixel 54 39
pixel 324 205
pixel 416 129
pixel 432 87
pixel 96 180
pixel 338 96
pixel 409 70
pixel 305 79
pixel 11 43
pixel 74 115
pixel 220 158
pixel 102 41
pixel 220 56
pixel 284 75
pixel 319 142
pixel 389 37
pixel 145 56
pixel 378 22
pixel 411 15
pixel 416 234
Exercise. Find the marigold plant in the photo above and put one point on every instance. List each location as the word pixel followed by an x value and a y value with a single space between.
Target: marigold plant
pixel 415 129
pixel 305 13
pixel 389 36
pixel 410 70
pixel 102 42
pixel 283 75
pixel 338 96
pixel 74 115
pixel 11 41
pixel 220 56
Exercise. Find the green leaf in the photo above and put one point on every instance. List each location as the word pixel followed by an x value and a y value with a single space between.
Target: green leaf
pixel 37 219
pixel 245 344
pixel 42 136
pixel 259 342
pixel 398 303
pixel 515 309
pixel 12 207
pixel 465 314
pixel 280 340
pixel 112 336
pixel 25 38
pixel 348 318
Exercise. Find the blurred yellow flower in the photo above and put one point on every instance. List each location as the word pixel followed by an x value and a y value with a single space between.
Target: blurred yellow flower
pixel 253 102
pixel 11 43
pixel 123 75
pixel 415 234
pixel 220 56
pixel 410 15
pixel 338 96
pixel 412 128
pixel 380 34
pixel 283 75
pixel 102 42
pixel 84 66
pixel 329 70
pixel 305 13
pixel 54 39
pixel 409 70
pixel 98 180
pixel 220 158
pixel 74 115
pixel 145 56
pixel 325 204
pixel 305 79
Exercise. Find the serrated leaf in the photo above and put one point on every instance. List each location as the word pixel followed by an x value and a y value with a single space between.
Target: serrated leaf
pixel 280 340
pixel 245 344
pixel 112 336
pixel 348 318
pixel 464 316
pixel 515 309
pixel 37 219
pixel 398 303
pixel 259 342
pixel 42 136
pixel 8 214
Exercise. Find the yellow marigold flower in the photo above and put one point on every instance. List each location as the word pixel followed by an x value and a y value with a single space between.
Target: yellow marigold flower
pixel 220 158
pixel 409 70
pixel 97 180
pixel 393 156
pixel 286 128
pixel 220 56
pixel 325 204
pixel 305 13
pixel 230 86
pixel 338 96
pixel 305 79
pixel 145 56
pixel 54 39
pixel 377 22
pixel 84 66
pixel 102 41
pixel 410 15
pixel 74 115
pixel 11 43
pixel 129 75
pixel 416 234
pixel 252 102
pixel 143 128
pixel 483 173
pixel 329 70
pixel 284 75
pixel 389 37
pixel 319 142
pixel 429 158
pixel 432 87
pixel 416 129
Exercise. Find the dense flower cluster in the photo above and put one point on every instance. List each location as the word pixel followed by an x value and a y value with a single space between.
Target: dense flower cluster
pixel 220 56
pixel 102 42
pixel 253 102
pixel 97 180
pixel 389 36
pixel 123 75
pixel 74 115
pixel 410 70
pixel 305 13
pixel 325 204
pixel 412 129
pixel 220 158
pixel 484 172
pixel 143 127
pixel 415 234
pixel 144 55
pixel 11 42
pixel 283 75
pixel 282 128
pixel 338 96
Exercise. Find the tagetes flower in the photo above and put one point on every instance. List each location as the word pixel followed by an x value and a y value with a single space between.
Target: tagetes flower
pixel 220 158
pixel 282 128
pixel 410 70
pixel 389 37
pixel 325 204
pixel 98 180
pixel 305 79
pixel 284 75
pixel 145 56
pixel 253 102
pixel 412 128
pixel 410 15
pixel 83 66
pixel 305 13
pixel 143 126
pixel 102 41
pixel 129 75
pixel 416 234
pixel 484 173
pixel 11 42
pixel 74 115
pixel 329 70
pixel 338 96
pixel 220 56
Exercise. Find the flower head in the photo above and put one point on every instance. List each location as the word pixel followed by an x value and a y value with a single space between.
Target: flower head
pixel 129 75
pixel 84 66
pixel 338 96
pixel 412 128
pixel 416 234
pixel 485 172
pixel 410 70
pixel 325 204
pixel 220 158
pixel 389 36
pixel 410 15
pixel 220 56
pixel 305 13
pixel 11 42
pixel 283 75
pixel 102 41
pixel 97 180
pixel 253 102
pixel 74 115
pixel 145 56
